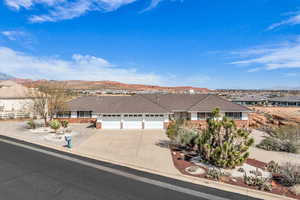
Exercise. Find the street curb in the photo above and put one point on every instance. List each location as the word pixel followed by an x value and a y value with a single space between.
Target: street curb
pixel 181 177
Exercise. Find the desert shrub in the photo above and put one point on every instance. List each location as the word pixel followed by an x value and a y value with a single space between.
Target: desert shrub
pixel 31 124
pixel 255 172
pixel 215 174
pixel 222 144
pixel 258 182
pixel 182 133
pixel 286 139
pixel 273 167
pixel 64 123
pixel 172 130
pixel 289 175
pixel 55 125
pixel 186 137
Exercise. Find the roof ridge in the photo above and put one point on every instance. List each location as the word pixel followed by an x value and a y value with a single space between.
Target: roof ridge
pixel 148 99
pixel 233 103
pixel 207 95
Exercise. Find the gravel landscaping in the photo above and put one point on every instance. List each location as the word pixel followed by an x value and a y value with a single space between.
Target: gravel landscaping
pixel 45 135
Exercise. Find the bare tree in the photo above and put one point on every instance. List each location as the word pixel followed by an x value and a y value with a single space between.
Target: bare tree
pixel 49 99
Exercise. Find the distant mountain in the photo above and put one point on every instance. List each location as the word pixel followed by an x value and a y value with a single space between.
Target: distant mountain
pixel 111 85
pixel 5 77
pixel 285 88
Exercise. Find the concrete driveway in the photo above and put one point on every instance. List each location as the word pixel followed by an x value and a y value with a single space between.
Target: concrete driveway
pixel 142 148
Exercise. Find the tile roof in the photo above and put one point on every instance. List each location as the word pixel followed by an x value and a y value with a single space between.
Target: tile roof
pixel 212 101
pixel 286 99
pixel 116 104
pixel 176 102
pixel 154 103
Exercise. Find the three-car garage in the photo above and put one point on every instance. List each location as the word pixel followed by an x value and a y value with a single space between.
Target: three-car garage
pixel 132 121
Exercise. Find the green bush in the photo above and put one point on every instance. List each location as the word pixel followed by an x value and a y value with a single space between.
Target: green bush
pixel 172 130
pixel 31 124
pixel 64 123
pixel 285 139
pixel 222 144
pixel 289 175
pixel 55 125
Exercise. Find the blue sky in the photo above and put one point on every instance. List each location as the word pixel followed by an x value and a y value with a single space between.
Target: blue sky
pixel 204 43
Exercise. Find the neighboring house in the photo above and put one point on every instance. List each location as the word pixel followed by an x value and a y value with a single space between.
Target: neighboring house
pixel 285 101
pixel 250 101
pixel 152 111
pixel 15 100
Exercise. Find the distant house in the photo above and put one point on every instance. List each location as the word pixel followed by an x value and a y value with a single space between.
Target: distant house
pixel 150 111
pixel 250 101
pixel 15 100
pixel 285 101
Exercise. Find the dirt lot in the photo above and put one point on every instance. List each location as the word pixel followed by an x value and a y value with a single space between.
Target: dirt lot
pixel 286 113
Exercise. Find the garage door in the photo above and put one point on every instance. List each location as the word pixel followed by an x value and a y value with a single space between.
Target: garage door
pixel 111 121
pixel 154 121
pixel 132 122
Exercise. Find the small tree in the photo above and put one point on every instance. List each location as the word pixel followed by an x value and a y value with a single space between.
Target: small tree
pixel 55 125
pixel 222 143
pixel 48 99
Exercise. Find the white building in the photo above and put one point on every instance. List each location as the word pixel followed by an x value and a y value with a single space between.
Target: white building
pixel 15 100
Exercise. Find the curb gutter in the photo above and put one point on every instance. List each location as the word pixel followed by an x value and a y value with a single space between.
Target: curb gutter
pixel 200 181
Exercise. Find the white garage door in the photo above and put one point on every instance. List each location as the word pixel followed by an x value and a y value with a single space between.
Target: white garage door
pixel 132 121
pixel 154 122
pixel 111 121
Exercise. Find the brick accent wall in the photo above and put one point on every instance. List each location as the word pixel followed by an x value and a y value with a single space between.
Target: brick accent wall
pixel 239 123
pixel 98 125
pixel 143 125
pixel 166 124
pixel 78 120
pixel 202 123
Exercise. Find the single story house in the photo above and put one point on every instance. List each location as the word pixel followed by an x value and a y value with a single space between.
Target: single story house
pixel 150 111
pixel 285 101
pixel 250 101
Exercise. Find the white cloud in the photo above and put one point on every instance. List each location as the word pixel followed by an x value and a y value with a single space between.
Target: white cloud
pixel 69 9
pixel 286 55
pixel 82 67
pixel 13 35
pixel 293 20
pixel 22 38
pixel 290 74
pixel 155 3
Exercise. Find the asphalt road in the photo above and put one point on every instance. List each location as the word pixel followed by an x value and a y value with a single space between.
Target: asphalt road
pixel 34 175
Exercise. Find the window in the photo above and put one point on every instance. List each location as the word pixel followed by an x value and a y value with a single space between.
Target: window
pixel 203 115
pixel 84 114
pixel 234 115
pixel 64 115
